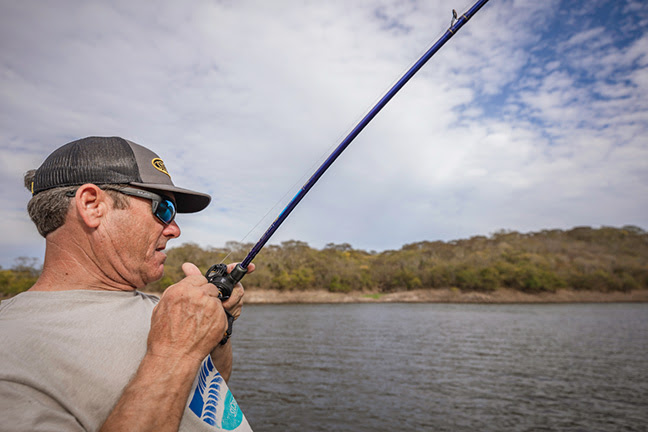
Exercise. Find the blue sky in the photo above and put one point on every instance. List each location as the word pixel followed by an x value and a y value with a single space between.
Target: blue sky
pixel 535 116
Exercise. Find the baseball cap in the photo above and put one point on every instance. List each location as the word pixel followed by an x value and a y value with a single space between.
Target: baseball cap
pixel 112 160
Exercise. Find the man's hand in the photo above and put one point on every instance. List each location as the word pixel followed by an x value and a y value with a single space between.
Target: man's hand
pixel 189 320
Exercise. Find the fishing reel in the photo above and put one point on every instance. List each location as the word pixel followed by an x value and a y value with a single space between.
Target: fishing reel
pixel 225 282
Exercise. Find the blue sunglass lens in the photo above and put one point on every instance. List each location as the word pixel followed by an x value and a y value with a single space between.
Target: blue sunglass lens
pixel 166 211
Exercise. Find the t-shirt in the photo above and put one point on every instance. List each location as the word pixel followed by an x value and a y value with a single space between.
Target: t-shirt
pixel 66 357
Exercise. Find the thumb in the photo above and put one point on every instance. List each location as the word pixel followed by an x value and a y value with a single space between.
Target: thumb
pixel 190 269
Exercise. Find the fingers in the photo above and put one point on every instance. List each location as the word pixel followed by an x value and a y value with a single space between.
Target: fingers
pixel 231 266
pixel 191 269
pixel 195 279
pixel 234 304
pixel 189 318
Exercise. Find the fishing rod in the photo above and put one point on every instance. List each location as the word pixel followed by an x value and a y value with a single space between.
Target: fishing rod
pixel 218 275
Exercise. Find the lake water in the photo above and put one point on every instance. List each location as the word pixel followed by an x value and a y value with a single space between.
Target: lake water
pixel 443 367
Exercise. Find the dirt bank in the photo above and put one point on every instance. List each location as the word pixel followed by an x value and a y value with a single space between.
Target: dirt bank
pixel 253 296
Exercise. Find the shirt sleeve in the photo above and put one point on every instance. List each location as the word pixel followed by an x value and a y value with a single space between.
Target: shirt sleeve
pixel 23 408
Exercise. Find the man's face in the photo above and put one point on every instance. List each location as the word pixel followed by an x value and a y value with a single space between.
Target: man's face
pixel 136 242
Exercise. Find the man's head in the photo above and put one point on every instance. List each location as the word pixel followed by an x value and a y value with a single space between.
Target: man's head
pixel 108 204
pixel 106 162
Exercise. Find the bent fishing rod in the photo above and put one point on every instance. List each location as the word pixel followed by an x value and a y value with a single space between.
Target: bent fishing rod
pixel 218 275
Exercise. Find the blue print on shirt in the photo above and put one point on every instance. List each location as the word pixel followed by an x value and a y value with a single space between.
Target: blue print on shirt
pixel 207 401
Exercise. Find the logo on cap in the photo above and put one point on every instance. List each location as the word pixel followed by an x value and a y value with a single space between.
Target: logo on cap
pixel 159 165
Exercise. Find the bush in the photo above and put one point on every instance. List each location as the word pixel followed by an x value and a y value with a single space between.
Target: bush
pixel 489 279
pixel 529 278
pixel 598 280
pixel 340 285
pixel 14 282
pixel 404 278
pixel 467 279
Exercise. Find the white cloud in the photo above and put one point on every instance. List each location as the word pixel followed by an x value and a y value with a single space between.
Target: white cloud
pixel 513 124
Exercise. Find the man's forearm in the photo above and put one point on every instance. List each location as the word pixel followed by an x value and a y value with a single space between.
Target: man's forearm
pixel 155 398
pixel 222 359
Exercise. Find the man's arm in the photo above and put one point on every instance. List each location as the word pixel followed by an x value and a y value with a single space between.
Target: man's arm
pixel 222 359
pixel 155 398
pixel 187 323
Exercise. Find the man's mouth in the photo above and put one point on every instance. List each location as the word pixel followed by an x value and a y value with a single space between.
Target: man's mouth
pixel 161 250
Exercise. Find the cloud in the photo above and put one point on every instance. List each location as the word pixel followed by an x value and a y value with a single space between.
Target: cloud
pixel 532 117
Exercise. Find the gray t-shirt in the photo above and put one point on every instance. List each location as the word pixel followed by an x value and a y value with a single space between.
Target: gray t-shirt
pixel 66 357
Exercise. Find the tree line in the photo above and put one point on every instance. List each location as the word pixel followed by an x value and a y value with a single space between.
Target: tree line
pixel 20 277
pixel 582 258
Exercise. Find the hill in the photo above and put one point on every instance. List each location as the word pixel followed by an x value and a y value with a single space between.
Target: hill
pixel 605 260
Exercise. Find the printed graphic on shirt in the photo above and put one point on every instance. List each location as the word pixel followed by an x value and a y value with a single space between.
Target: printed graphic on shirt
pixel 212 401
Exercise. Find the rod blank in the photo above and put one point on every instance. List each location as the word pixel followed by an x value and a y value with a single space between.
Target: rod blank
pixel 358 128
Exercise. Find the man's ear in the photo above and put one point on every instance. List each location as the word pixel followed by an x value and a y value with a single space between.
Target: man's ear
pixel 91 204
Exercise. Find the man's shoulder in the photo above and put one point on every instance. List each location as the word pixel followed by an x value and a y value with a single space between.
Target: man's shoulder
pixel 81 296
pixel 73 348
pixel 64 320
pixel 41 305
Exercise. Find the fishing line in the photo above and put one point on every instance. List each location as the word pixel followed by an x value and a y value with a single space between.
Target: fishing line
pixel 317 162
pixel 218 274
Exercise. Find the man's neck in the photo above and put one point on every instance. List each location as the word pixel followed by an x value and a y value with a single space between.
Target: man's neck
pixel 68 266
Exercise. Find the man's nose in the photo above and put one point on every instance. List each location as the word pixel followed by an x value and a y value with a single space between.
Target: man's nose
pixel 172 230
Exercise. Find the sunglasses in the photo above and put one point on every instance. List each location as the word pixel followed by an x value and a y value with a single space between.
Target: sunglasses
pixel 162 207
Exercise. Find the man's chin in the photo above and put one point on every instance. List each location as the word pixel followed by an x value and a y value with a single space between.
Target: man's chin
pixel 159 274
pixel 155 274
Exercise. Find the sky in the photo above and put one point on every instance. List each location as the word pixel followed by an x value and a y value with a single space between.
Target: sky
pixel 533 116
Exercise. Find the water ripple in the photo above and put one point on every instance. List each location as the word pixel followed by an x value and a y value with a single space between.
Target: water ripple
pixel 386 367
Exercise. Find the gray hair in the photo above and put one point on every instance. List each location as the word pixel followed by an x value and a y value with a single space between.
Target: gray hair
pixel 48 209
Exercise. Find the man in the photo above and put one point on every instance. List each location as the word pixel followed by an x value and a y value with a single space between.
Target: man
pixel 83 349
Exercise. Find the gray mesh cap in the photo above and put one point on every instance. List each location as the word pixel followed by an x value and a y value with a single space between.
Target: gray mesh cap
pixel 112 160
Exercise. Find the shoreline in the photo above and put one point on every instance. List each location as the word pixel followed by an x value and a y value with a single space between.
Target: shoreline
pixel 446 295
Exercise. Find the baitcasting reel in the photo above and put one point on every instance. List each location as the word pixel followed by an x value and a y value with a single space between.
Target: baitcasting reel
pixel 225 282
